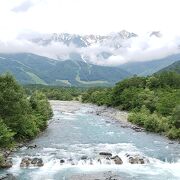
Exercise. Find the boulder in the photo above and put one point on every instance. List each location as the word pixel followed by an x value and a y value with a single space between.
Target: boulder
pixel 26 162
pixel 137 159
pixel 37 162
pixel 62 161
pixel 105 154
pixel 6 163
pixel 117 160
pixel 84 157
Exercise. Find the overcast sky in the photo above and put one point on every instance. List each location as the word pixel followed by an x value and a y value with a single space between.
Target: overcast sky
pixel 88 16
pixel 92 17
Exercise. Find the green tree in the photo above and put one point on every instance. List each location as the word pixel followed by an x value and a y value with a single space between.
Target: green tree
pixel 6 135
pixel 41 108
pixel 14 106
pixel 176 116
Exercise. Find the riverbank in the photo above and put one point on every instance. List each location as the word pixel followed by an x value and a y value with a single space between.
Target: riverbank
pixel 116 115
pixel 82 142
pixel 122 118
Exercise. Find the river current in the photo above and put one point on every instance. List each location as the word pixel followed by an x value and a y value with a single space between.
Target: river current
pixel 74 133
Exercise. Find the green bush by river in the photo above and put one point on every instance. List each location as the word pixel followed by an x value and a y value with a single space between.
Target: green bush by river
pixel 21 117
pixel 153 101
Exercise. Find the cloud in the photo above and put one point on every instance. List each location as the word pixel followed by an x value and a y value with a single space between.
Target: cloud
pixel 141 48
pixel 23 7
pixel 88 16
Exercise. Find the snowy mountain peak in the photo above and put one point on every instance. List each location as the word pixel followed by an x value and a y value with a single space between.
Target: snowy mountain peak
pixel 156 34
pixel 126 35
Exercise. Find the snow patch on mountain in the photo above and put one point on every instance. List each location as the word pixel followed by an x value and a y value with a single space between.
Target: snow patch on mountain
pixel 111 49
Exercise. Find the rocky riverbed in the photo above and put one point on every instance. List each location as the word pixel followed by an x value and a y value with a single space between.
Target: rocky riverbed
pixel 116 115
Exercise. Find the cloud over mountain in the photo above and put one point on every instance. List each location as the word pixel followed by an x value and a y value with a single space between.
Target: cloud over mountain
pixel 112 49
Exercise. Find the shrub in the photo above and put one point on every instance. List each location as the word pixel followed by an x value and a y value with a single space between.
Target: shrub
pixel 174 133
pixel 6 135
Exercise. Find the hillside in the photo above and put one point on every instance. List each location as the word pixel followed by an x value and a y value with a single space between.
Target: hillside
pixel 34 69
pixel 173 67
pixel 149 67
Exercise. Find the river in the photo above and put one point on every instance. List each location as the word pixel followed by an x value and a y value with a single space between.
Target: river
pixel 75 132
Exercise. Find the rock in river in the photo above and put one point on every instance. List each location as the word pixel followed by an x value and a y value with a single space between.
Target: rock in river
pixel 62 161
pixel 84 157
pixel 26 162
pixel 105 154
pixel 6 163
pixel 117 160
pixel 137 159
pixel 37 162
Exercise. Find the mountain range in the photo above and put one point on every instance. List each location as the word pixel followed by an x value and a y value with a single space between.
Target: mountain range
pixel 149 67
pixel 95 49
pixel 34 69
pixel 112 39
pixel 76 58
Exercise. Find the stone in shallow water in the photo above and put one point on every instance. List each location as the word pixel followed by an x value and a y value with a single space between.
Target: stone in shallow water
pixel 105 154
pixel 7 163
pixel 137 159
pixel 84 157
pixel 117 160
pixel 26 162
pixel 62 161
pixel 37 162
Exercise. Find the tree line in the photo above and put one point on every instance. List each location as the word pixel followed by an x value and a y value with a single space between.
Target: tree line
pixel 153 101
pixel 22 117
pixel 57 92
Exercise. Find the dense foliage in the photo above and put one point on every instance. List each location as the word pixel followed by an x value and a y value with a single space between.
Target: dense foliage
pixel 153 101
pixel 56 92
pixel 21 117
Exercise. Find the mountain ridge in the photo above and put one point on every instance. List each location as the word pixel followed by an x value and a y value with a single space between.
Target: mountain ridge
pixel 149 67
pixel 34 69
pixel 175 67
